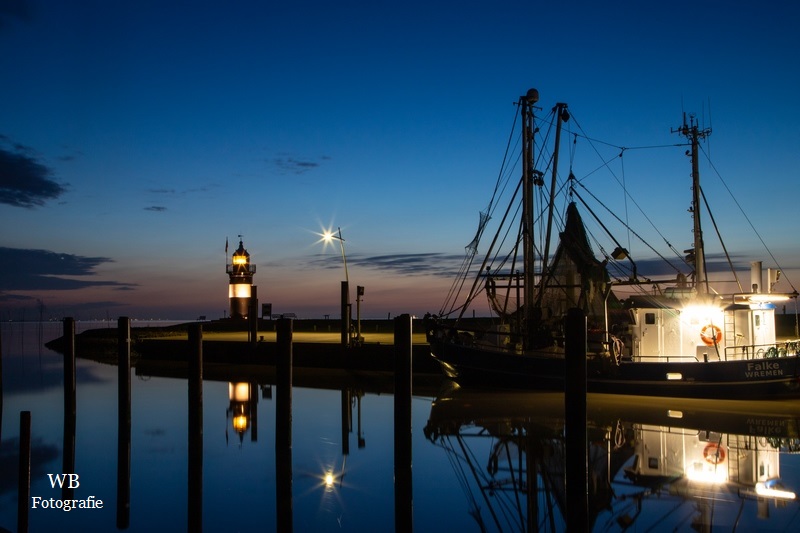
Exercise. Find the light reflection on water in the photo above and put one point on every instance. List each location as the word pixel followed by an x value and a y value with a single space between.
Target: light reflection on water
pixel 342 454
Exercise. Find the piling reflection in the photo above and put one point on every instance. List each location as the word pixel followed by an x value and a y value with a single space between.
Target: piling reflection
pixel 123 423
pixel 70 406
pixel 651 463
pixel 195 433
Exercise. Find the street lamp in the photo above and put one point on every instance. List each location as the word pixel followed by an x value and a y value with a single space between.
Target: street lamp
pixel 328 236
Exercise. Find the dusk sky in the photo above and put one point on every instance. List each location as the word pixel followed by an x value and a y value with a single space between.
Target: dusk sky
pixel 136 137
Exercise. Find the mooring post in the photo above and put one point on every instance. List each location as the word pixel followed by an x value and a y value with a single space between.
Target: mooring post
pixel 1 386
pixel 283 425
pixel 70 405
pixel 403 502
pixel 24 484
pixel 575 409
pixel 345 314
pixel 252 315
pixel 69 366
pixel 123 422
pixel 195 481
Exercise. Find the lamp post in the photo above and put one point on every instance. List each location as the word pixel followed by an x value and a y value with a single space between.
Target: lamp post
pixel 328 237
pixel 346 310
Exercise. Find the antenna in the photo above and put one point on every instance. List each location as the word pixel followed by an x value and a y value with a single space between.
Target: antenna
pixel 709 124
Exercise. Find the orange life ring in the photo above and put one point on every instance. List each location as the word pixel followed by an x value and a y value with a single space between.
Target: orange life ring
pixel 711 335
pixel 714 453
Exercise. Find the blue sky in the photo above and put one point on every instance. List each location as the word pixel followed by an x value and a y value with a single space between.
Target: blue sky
pixel 137 136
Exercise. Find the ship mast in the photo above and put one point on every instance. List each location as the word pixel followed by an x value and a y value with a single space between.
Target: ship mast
pixel 562 115
pixel 692 132
pixel 526 104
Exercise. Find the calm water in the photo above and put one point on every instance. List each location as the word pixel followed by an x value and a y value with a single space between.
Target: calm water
pixel 480 461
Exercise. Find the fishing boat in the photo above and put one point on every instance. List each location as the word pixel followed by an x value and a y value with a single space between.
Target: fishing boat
pixel 688 333
pixel 651 465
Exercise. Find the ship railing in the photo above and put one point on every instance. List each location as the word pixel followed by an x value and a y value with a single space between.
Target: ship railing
pixel 790 348
pixel 662 358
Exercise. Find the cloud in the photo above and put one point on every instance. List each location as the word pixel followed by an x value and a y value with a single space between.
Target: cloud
pixel 24 181
pixel 15 298
pixel 422 264
pixel 293 165
pixel 27 269
pixel 157 208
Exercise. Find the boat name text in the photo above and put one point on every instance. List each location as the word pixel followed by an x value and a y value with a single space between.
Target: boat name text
pixel 763 370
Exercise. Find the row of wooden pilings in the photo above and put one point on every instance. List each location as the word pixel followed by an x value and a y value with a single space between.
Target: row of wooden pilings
pixel 283 427
pixel 575 409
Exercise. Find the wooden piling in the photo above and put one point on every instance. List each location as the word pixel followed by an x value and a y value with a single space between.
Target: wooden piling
pixel 252 316
pixel 283 426
pixel 403 501
pixel 24 483
pixel 345 314
pixel 195 481
pixel 1 386
pixel 577 477
pixel 123 422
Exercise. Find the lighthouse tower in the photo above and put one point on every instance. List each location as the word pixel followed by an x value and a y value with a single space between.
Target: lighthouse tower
pixel 240 289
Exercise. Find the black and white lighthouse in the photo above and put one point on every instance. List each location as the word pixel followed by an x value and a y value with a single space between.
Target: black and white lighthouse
pixel 240 288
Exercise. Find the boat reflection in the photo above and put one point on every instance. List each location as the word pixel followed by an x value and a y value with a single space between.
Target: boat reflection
pixel 651 463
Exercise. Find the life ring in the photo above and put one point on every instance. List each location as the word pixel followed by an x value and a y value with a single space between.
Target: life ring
pixel 713 453
pixel 711 335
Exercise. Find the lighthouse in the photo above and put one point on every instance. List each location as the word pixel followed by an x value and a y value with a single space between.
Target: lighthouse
pixel 240 288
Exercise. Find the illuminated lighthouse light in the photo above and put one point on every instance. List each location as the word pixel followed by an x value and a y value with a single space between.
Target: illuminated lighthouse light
pixel 239 291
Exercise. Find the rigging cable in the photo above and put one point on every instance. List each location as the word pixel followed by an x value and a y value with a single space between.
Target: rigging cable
pixel 448 307
pixel 625 194
pixel 606 164
pixel 630 229
pixel 769 252
pixel 721 242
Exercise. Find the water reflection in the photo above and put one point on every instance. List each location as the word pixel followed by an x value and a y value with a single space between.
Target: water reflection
pixel 482 461
pixel 651 463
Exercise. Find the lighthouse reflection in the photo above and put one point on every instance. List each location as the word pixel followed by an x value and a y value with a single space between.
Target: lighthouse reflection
pixel 241 414
pixel 648 465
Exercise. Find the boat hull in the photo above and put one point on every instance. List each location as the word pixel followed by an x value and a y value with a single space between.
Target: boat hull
pixel 771 378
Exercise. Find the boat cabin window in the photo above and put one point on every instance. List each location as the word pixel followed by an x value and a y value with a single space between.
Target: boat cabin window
pixel 650 318
pixel 758 320
pixel 652 463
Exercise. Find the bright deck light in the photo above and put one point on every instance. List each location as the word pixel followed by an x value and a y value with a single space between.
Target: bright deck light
pixel 768 297
pixel 706 474
pixel 770 492
pixel 702 314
